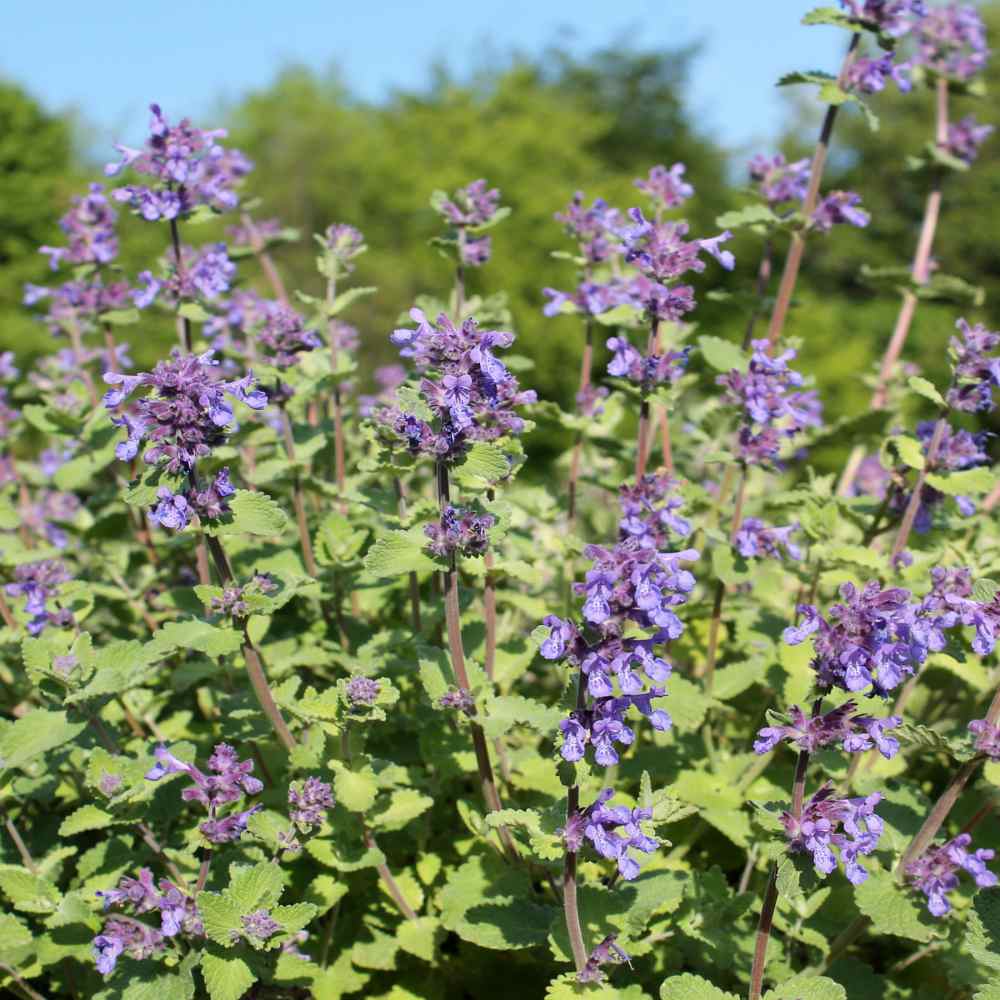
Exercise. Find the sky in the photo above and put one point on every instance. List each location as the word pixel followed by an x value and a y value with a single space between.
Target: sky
pixel 107 61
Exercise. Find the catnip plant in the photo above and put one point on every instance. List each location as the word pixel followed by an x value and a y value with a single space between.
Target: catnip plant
pixel 318 682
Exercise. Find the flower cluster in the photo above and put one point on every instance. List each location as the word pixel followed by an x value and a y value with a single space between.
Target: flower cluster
pixel 461 531
pixel 987 738
pixel 935 873
pixel 605 952
pixel 965 137
pixel 595 228
pixel 837 208
pixel 755 540
pixel 230 781
pixel 42 515
pixel 77 305
pixel 646 371
pixel 38 583
pixel 951 41
pixel 855 733
pixel 774 405
pixel 469 391
pixel 875 638
pixel 363 691
pixel 342 244
pixel 309 801
pixel 234 601
pixel 778 181
pixel 182 419
pixel 849 825
pixel 284 335
pixel 469 208
pixel 666 188
pixel 90 230
pixel 188 167
pixel 613 831
pixel 637 580
pixel 126 936
pixel 976 372
pixel 888 17
pixel 869 75
pixel 660 251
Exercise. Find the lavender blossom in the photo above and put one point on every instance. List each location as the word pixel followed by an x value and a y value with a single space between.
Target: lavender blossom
pixel 646 371
pixel 607 951
pixel 188 168
pixel 774 407
pixel 594 298
pixel 284 336
pixel 755 539
pixel 461 531
pixel 855 733
pixel 457 700
pixel 869 76
pixel 363 690
pixel 888 17
pixel 90 228
pixel 965 137
pixel 260 925
pixel 342 244
pixel 849 825
pixel 951 41
pixel 975 372
pixel 666 188
pixel 839 207
pixel 613 831
pixel 595 228
pixel 935 873
pixel 661 252
pixel 309 801
pixel 987 738
pixel 38 583
pixel 777 180
pixel 474 205
pixel 120 937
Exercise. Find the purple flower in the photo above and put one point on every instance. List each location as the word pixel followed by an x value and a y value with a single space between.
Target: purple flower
pixel 309 801
pixel 951 41
pixel 474 205
pixel 186 414
pixel 849 825
pixel 935 873
pixel 645 371
pixel 965 137
pixel 119 937
pixel 172 511
pixel 475 250
pixel 607 951
pixel 615 831
pixel 839 207
pixel 661 252
pixel 869 76
pixel 666 188
pixel 987 738
pixel 756 539
pixel 38 583
pixel 594 298
pixel 188 168
pixel 461 531
pixel 90 228
pixel 888 17
pixel 774 406
pixel 595 228
pixel 284 336
pixel 260 925
pixel 343 243
pixel 855 733
pixel 976 373
pixel 874 638
pixel 457 700
pixel 363 690
pixel 777 180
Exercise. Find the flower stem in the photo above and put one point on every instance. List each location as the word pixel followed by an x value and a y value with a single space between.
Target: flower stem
pixel 763 280
pixel 452 611
pixel 910 515
pixel 570 910
pixel 22 848
pixel 920 273
pixel 586 366
pixel 206 864
pixel 766 921
pixel 251 656
pixel 183 323
pixel 264 259
pixel 298 500
pixel 793 261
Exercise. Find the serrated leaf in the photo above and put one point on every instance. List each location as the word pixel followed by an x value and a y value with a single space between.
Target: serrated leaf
pixel 722 355
pixel 749 216
pixel 345 299
pixel 35 734
pixel 963 482
pixel 28 892
pixel 691 987
pixel 194 312
pixel 506 711
pixel 355 790
pixel 890 908
pixel 252 513
pixel 829 15
pixel 482 465
pixel 194 634
pixel 909 450
pixel 226 977
pixel 419 937
pixel 806 987
pixel 984 590
pixel 398 553
pixel 87 817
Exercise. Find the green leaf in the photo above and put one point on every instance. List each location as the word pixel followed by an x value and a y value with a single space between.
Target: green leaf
pixel 355 790
pixel 990 991
pixel 829 15
pixel 965 481
pixel 927 389
pixel 194 312
pixel 15 940
pixel 121 317
pixel 890 908
pixel 985 590
pixel 751 215
pixel 691 987
pixel 909 450
pixel 806 987
pixel 252 887
pixel 493 906
pixel 194 634
pixel 87 817
pixel 226 978
pixel 345 299
pixel 506 711
pixel 813 76
pixel 402 806
pixel 419 937
pixel 482 465
pixel 28 892
pixel 722 355
pixel 251 514
pixel 36 733
pixel 982 936
pixel 397 553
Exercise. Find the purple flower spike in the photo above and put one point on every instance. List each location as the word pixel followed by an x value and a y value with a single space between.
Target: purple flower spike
pixel 38 583
pixel 778 181
pixel 837 208
pixel 595 229
pixel 666 188
pixel 459 531
pixel 474 205
pixel 856 733
pixel 951 41
pixel 614 831
pixel 889 17
pixel 755 539
pixel 965 137
pixel 987 738
pixel 935 873
pixel 309 802
pixel 606 952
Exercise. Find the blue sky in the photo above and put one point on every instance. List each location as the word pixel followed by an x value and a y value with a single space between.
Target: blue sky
pixel 108 60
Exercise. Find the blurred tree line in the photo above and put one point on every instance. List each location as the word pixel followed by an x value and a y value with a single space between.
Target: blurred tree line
pixel 538 128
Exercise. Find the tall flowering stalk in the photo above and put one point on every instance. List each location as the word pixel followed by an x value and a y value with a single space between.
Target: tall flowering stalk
pixel 950 52
pixel 640 580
